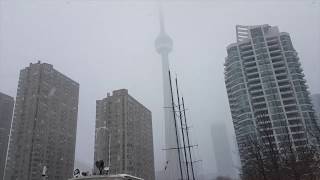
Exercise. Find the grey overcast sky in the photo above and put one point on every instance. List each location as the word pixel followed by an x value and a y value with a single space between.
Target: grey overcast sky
pixel 106 45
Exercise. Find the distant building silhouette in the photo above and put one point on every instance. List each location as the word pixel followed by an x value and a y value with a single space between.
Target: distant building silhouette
pixel 222 151
pixel 267 89
pixel 123 136
pixel 6 110
pixel 44 125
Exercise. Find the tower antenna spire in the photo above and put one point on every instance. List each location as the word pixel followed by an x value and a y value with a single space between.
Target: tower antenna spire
pixel 163 42
pixel 161 18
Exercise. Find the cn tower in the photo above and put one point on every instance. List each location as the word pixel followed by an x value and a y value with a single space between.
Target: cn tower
pixel 163 46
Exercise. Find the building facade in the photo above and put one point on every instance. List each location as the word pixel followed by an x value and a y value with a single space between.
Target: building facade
pixel 123 136
pixel 6 110
pixel 222 151
pixel 316 104
pixel 266 88
pixel 44 125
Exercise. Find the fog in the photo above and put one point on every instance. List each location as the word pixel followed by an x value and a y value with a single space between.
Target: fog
pixel 106 45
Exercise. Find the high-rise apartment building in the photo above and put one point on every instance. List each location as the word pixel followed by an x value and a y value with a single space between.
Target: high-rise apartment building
pixel 6 110
pixel 266 88
pixel 43 133
pixel 316 104
pixel 222 151
pixel 123 135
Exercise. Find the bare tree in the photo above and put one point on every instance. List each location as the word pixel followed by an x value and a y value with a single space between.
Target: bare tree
pixel 284 161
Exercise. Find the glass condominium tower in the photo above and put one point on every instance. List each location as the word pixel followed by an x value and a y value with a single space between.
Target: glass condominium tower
pixel 266 88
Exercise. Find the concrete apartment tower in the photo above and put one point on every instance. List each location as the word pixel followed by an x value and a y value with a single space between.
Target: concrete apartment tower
pixel 43 133
pixel 6 110
pixel 222 151
pixel 123 136
pixel 163 46
pixel 316 104
pixel 266 88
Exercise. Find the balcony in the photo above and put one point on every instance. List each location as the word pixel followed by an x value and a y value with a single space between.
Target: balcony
pixel 251 68
pixel 254 81
pixel 287 102
pixel 281 71
pixel 247 53
pixel 255 88
pixel 252 71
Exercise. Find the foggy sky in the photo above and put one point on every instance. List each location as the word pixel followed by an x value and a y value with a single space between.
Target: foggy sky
pixel 107 45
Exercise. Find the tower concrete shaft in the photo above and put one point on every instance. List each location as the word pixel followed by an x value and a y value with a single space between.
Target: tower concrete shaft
pixel 163 46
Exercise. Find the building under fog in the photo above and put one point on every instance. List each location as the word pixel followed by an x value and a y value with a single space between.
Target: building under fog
pixel 164 46
pixel 123 136
pixel 222 151
pixel 44 125
pixel 6 110
pixel 266 88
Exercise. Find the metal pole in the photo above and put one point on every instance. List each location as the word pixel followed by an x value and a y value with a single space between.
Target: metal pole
pixel 182 130
pixel 175 125
pixel 109 159
pixel 185 122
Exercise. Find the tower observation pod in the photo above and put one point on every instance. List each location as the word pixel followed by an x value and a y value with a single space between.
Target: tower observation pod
pixel 163 45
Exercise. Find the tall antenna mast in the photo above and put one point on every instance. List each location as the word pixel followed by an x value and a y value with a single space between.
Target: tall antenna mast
pixel 109 160
pixel 161 19
pixel 175 125
pixel 187 132
pixel 182 130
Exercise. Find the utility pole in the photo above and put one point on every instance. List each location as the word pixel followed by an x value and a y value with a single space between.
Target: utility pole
pixel 187 132
pixel 109 154
pixel 175 125
pixel 182 130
